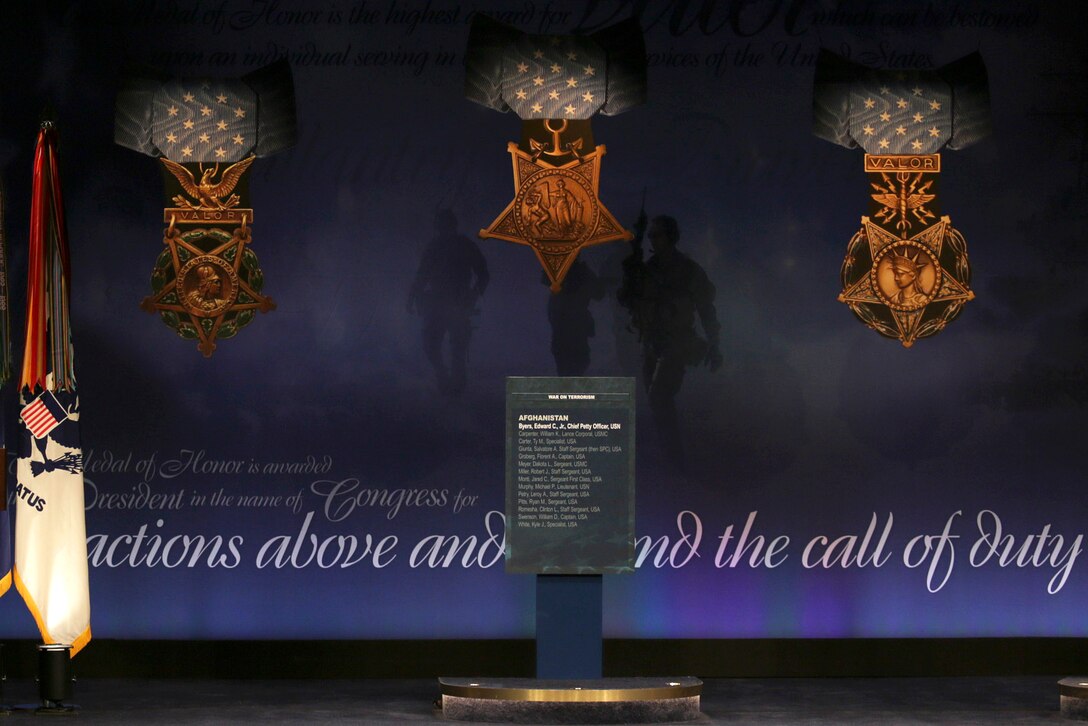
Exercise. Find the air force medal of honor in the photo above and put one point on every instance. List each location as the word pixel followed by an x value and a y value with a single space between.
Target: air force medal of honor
pixel 207 283
pixel 906 273
pixel 555 84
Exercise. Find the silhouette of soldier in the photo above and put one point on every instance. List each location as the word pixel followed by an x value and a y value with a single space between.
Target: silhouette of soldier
pixel 570 318
pixel 664 295
pixel 452 274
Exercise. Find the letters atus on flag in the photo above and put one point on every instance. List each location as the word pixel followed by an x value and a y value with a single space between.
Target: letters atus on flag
pixel 50 532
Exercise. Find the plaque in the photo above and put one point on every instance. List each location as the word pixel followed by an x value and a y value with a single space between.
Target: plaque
pixel 570 475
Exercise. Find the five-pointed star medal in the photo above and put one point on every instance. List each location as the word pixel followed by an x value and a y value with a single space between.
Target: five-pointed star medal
pixel 556 211
pixel 949 289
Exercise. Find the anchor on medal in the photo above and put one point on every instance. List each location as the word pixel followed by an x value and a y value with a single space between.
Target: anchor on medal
pixel 559 149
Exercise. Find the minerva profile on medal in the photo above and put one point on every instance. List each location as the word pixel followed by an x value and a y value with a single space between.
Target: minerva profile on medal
pixel 207 283
pixel 555 84
pixel 906 274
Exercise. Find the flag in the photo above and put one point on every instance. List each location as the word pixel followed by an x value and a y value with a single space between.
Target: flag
pixel 50 532
pixel 5 377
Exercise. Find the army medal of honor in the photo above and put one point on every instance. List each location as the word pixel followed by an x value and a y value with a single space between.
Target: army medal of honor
pixel 906 274
pixel 555 84
pixel 207 283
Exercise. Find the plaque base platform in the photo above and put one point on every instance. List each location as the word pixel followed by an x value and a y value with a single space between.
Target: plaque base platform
pixel 602 700
pixel 1074 697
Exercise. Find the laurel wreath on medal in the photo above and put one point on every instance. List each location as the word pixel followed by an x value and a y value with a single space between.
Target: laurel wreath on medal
pixel 164 277
pixel 206 283
pixel 941 243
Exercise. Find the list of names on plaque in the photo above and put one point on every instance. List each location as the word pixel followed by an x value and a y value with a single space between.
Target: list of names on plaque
pixel 559 457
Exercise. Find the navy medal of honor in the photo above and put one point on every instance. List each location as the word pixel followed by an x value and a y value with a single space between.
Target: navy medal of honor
pixel 555 209
pixel 556 84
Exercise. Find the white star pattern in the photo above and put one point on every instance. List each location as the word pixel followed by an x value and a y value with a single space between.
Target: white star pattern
pixel 562 77
pixel 212 117
pixel 906 118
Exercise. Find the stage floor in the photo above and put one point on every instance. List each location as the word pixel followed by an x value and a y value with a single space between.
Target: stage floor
pixel 829 701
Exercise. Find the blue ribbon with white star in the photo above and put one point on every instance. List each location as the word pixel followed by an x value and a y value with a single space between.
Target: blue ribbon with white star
pixel 204 121
pixel 555 76
pixel 901 112
pixel 207 120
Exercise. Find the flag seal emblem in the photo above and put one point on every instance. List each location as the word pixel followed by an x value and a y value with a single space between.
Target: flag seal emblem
pixel 43 414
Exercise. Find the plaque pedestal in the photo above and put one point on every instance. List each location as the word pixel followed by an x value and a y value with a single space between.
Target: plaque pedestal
pixel 609 700
pixel 1074 697
pixel 568 626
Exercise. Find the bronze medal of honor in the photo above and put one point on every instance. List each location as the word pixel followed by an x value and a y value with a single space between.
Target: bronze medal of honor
pixel 207 282
pixel 555 84
pixel 555 209
pixel 906 274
